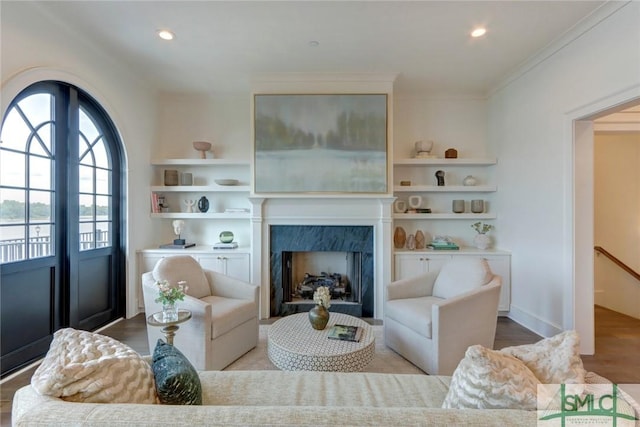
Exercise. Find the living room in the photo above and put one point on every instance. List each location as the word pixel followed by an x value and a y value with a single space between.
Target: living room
pixel 529 114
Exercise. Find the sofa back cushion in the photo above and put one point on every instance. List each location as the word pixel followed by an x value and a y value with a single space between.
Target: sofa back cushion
pixel 178 268
pixel 461 275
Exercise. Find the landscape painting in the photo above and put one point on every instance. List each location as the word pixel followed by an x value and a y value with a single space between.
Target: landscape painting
pixel 320 143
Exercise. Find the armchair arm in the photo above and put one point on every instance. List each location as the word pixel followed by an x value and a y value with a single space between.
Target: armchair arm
pixel 412 287
pixel 230 287
pixel 465 320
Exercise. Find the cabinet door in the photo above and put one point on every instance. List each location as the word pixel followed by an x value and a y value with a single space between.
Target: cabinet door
pixel 231 264
pixel 409 265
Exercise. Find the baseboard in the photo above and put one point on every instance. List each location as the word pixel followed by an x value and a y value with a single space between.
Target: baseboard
pixel 533 322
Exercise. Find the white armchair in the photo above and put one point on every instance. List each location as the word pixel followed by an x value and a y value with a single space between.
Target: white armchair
pixel 433 318
pixel 224 323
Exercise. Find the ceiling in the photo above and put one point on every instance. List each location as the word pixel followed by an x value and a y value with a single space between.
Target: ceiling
pixel 220 45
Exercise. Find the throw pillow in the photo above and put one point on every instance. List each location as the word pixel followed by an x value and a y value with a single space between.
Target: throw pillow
pixel 554 360
pixel 488 379
pixel 82 366
pixel 177 381
pixel 178 268
pixel 461 275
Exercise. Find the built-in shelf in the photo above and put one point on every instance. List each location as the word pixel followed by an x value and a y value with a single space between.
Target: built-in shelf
pixel 200 188
pixel 447 162
pixel 444 216
pixel 444 189
pixel 202 215
pixel 198 162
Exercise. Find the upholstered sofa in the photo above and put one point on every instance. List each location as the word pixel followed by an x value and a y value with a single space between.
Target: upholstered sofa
pixel 252 398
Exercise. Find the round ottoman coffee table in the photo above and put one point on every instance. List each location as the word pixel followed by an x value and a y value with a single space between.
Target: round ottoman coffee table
pixel 293 345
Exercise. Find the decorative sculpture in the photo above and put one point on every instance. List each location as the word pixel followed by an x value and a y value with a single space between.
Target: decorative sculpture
pixel 189 205
pixel 440 178
pixel 178 225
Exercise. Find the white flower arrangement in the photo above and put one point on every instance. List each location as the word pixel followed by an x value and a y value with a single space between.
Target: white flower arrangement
pixel 168 294
pixel 322 296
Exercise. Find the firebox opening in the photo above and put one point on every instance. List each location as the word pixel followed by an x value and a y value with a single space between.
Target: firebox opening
pixel 305 271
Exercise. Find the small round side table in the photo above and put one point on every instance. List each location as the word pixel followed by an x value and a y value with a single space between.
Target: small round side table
pixel 169 328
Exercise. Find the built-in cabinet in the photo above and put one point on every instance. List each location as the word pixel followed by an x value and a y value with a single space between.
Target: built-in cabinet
pixel 412 263
pixel 235 263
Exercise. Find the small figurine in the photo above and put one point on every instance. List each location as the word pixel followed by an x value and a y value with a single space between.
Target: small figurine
pixel 190 204
pixel 440 178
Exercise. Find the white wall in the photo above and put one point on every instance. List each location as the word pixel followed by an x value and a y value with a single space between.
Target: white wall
pixel 617 219
pixel 530 129
pixel 34 48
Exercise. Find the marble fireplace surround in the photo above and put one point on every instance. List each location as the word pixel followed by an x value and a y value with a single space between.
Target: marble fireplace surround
pixel 342 210
pixel 314 238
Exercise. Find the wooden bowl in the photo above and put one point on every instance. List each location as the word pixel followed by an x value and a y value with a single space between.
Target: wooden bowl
pixel 202 147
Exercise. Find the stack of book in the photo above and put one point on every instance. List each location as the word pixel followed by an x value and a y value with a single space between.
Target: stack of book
pixel 443 245
pixel 220 245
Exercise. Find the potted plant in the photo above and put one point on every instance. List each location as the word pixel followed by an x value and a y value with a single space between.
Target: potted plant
pixel 481 240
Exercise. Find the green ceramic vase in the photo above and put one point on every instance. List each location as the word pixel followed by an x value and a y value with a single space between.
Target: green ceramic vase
pixel 319 317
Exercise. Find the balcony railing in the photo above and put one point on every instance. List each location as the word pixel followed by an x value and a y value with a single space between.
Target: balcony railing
pixel 36 247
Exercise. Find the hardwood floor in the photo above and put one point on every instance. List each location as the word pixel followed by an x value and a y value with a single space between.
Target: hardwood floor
pixel 617 349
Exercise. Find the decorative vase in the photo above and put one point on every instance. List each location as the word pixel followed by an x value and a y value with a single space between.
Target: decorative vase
pixel 469 180
pixel 226 237
pixel 169 312
pixel 319 317
pixel 482 241
pixel 203 204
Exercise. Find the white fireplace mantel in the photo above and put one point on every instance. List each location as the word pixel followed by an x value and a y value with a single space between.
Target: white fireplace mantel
pixel 328 210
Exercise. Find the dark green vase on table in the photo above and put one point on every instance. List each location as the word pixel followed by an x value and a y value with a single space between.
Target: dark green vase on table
pixel 319 317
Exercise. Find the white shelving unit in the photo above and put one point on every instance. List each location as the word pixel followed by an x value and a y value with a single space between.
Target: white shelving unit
pixel 204 170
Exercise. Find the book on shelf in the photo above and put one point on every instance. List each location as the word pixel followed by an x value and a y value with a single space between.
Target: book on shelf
pixel 345 333
pixel 449 247
pixel 174 246
pixel 155 204
pixel 220 245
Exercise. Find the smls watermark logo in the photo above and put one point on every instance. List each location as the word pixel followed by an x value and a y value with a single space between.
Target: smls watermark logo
pixel 586 404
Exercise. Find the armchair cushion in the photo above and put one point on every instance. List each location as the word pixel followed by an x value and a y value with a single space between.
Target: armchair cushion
pixel 228 313
pixel 415 313
pixel 490 379
pixel 554 360
pixel 461 275
pixel 176 268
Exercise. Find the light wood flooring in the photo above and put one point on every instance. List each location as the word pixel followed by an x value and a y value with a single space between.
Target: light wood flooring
pixel 617 349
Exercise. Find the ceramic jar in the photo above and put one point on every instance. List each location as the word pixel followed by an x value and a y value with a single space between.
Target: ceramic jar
pixel 469 180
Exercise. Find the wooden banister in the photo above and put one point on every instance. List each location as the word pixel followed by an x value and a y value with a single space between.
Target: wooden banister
pixel 619 263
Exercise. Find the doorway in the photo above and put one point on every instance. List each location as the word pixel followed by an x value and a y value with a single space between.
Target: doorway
pixel 580 298
pixel 61 233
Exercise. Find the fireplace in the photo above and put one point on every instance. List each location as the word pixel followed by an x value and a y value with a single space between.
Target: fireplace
pixel 304 257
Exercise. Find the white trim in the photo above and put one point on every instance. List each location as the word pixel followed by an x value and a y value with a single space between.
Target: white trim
pixel 578 237
pixel 584 26
pixel 533 322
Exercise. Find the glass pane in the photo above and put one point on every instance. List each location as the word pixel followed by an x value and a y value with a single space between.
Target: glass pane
pixel 43 144
pixel 37 108
pixel 86 236
pixel 12 243
pixel 87 127
pixel 86 207
pixel 103 209
pixel 40 173
pixel 86 179
pixel 13 169
pixel 84 151
pixel 103 234
pixel 102 159
pixel 12 206
pixel 15 131
pixel 102 181
pixel 39 206
pixel 40 242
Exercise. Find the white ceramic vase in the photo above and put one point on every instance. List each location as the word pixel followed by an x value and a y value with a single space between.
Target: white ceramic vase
pixel 482 241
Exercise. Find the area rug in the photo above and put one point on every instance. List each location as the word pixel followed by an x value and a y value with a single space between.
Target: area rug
pixel 384 361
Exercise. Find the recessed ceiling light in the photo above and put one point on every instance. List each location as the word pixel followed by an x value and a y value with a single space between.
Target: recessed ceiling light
pixel 166 35
pixel 314 43
pixel 478 32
